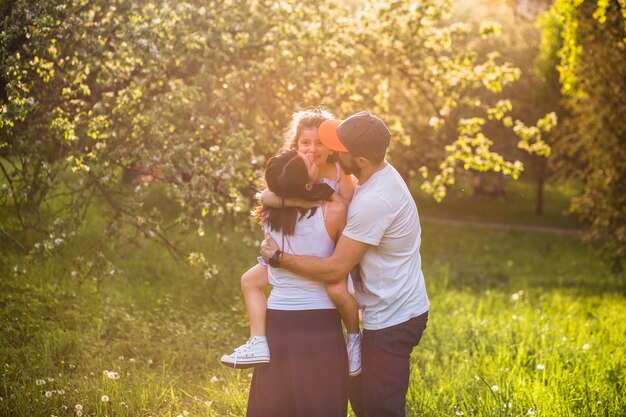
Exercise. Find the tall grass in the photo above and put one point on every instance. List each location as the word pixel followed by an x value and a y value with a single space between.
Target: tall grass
pixel 521 324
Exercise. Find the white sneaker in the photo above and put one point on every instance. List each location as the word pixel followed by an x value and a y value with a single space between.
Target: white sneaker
pixel 254 352
pixel 354 354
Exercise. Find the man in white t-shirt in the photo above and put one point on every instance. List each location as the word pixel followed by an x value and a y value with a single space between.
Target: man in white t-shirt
pixel 380 245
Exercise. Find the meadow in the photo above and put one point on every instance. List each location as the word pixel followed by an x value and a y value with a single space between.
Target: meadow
pixel 522 324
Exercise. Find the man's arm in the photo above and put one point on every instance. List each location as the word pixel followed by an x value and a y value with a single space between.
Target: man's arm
pixel 347 254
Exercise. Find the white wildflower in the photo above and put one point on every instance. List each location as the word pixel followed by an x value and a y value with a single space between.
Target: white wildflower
pixel 48 394
pixel 541 367
pixel 105 398
pixel 40 382
pixel 495 388
pixel 111 374
pixel 214 379
pixel 586 346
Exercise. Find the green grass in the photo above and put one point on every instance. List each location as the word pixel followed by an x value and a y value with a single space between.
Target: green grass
pixel 536 315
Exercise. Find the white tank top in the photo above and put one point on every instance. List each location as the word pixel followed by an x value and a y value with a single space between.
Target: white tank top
pixel 292 291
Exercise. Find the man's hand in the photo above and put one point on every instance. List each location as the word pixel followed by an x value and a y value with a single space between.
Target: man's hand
pixel 268 247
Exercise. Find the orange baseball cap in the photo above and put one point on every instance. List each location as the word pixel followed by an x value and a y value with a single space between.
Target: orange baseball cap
pixel 361 134
pixel 328 135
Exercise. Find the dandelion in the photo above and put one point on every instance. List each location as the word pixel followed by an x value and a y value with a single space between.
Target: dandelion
pixel 214 379
pixel 531 412
pixel 564 339
pixel 459 413
pixel 495 388
pixel 586 346
pixel 541 367
pixel 48 394
pixel 515 297
pixel 61 392
pixel 120 358
pixel 40 382
pixel 78 407
pixel 105 398
pixel 111 374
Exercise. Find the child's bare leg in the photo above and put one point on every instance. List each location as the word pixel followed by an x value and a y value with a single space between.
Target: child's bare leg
pixel 252 283
pixel 256 350
pixel 346 305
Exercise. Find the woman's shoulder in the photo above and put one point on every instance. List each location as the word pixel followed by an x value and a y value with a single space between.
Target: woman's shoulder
pixel 335 211
pixel 335 218
pixel 335 206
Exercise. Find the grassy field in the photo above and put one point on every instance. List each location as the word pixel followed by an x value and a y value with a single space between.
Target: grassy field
pixel 521 324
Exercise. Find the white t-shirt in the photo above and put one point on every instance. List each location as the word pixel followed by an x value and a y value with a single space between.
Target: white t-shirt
pixel 391 285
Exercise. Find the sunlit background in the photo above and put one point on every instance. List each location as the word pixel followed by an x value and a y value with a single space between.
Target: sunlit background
pixel 133 136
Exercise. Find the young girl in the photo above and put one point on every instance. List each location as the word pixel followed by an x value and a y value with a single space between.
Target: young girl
pixel 303 137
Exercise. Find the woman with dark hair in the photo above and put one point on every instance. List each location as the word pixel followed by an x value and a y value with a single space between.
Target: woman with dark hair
pixel 302 136
pixel 308 373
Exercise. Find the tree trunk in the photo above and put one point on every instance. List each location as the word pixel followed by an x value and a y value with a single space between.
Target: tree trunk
pixel 539 199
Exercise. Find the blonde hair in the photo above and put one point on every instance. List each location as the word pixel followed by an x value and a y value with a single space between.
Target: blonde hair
pixel 304 119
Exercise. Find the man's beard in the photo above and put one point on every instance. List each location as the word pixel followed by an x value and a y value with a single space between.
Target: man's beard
pixel 351 167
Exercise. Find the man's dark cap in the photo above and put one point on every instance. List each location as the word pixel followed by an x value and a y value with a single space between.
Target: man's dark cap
pixel 361 134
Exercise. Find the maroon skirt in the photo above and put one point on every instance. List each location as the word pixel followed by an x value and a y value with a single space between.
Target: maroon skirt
pixel 308 372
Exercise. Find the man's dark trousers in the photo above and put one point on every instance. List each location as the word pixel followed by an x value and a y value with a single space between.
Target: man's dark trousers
pixel 380 390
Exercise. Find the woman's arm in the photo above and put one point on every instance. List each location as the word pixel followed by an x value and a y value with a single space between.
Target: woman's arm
pixel 270 199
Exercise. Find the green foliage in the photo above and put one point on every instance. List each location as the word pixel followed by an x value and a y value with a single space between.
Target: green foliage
pixel 591 55
pixel 102 100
